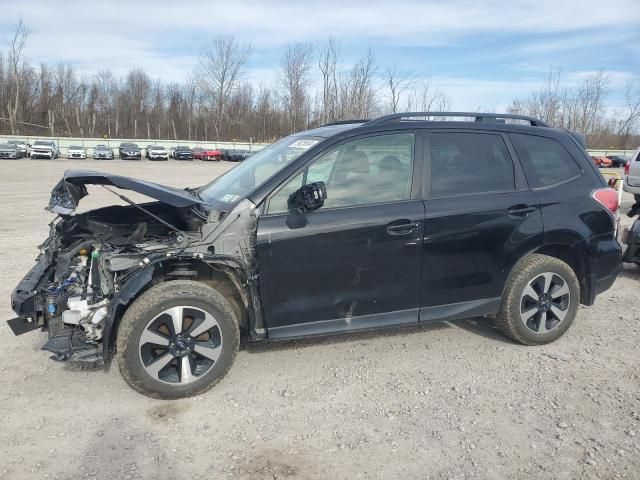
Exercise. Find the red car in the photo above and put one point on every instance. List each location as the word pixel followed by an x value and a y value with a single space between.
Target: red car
pixel 211 154
pixel 197 153
pixel 601 161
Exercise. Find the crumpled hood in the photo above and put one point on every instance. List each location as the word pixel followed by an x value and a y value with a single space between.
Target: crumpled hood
pixel 66 195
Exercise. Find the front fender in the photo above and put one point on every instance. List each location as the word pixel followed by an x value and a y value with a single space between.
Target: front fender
pixel 142 279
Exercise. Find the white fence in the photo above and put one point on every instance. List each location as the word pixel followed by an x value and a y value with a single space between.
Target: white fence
pixel 603 153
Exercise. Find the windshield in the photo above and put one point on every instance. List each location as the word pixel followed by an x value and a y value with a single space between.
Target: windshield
pixel 72 147
pixel 238 182
pixel 42 142
pixel 6 145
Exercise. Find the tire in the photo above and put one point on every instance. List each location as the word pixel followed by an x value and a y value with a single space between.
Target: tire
pixel 148 313
pixel 527 280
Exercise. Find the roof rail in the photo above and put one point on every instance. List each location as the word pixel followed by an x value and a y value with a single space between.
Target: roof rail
pixel 479 117
pixel 344 122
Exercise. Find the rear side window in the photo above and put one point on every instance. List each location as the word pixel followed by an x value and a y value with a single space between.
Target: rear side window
pixel 545 161
pixel 466 163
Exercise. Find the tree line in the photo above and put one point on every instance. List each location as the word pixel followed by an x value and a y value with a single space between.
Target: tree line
pixel 313 87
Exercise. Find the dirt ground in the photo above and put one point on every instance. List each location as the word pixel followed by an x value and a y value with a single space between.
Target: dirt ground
pixel 447 401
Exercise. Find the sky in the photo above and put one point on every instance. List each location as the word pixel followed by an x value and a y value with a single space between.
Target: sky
pixel 482 54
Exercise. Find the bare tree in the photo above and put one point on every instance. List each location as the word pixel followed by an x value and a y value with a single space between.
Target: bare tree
pixel 295 77
pixel 16 45
pixel 425 97
pixel 357 98
pixel 398 84
pixel 222 61
pixel 628 123
pixel 327 63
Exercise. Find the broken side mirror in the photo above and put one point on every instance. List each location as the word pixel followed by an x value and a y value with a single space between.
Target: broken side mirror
pixel 308 198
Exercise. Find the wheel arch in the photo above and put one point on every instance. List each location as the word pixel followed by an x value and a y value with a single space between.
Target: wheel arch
pixel 572 256
pixel 225 274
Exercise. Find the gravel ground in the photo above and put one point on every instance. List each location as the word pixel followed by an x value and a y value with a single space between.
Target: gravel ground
pixel 452 400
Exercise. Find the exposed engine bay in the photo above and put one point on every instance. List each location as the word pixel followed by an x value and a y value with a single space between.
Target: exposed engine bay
pixel 94 263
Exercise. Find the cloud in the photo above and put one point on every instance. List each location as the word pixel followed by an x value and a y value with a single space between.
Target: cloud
pixel 514 42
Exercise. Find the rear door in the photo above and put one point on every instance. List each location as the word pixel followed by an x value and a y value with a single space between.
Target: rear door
pixel 480 217
pixel 354 263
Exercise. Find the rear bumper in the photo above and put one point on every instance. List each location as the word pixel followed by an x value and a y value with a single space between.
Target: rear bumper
pixel 604 266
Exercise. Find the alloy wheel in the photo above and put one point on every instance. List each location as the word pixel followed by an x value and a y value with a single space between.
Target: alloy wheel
pixel 180 345
pixel 545 302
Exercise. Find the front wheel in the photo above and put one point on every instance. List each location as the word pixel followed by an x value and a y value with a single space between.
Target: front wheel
pixel 178 339
pixel 540 300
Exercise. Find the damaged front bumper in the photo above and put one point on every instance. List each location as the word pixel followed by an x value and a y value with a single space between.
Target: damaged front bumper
pixel 93 265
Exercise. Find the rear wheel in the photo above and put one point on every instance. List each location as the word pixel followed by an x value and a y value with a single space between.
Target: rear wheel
pixel 177 340
pixel 540 300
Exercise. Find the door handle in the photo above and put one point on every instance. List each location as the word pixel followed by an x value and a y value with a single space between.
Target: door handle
pixel 520 210
pixel 402 227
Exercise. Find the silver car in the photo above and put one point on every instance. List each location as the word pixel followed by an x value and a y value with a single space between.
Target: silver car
pixel 9 150
pixel 22 146
pixel 632 175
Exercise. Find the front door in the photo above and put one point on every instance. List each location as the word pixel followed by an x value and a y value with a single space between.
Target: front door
pixel 355 262
pixel 480 218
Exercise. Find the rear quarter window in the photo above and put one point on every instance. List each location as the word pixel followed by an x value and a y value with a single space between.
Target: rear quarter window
pixel 545 161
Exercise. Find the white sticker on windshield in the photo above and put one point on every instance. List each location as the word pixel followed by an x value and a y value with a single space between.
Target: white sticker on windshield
pixel 307 143
pixel 230 198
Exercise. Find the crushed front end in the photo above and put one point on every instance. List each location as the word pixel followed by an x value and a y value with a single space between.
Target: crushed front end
pixel 66 293
pixel 93 264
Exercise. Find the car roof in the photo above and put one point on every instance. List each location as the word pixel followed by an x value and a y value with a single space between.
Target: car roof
pixel 327 131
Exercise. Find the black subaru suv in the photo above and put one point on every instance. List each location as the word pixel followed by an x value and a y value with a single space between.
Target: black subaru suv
pixel 401 220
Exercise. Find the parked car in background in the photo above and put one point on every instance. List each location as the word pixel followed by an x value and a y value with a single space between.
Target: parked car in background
pixel 172 152
pixel 76 151
pixel 183 153
pixel 44 149
pixel 9 150
pixel 617 160
pixel 22 146
pixel 146 151
pixel 103 152
pixel 129 151
pixel 155 152
pixel 235 155
pixel 197 153
pixel 211 154
pixel 601 161
pixel 631 178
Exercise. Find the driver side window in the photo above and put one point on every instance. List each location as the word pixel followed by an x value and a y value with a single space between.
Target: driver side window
pixel 364 171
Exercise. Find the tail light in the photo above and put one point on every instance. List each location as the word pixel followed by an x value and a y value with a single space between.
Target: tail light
pixel 627 164
pixel 608 198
